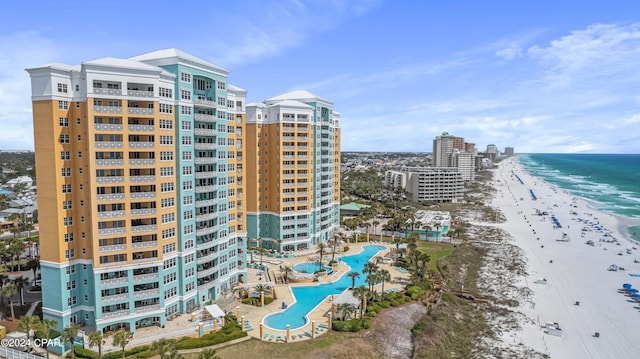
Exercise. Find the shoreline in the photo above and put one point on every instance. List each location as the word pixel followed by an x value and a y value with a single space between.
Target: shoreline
pixel 567 280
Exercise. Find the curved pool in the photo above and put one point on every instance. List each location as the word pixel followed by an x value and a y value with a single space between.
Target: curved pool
pixel 307 298
pixel 309 267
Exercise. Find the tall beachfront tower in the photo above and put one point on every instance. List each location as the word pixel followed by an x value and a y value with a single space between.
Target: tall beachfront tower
pixel 443 147
pixel 129 156
pixel 293 162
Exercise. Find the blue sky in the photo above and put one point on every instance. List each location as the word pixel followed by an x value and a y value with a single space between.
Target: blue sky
pixel 541 76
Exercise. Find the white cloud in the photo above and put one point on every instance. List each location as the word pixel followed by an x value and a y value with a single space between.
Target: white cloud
pixel 510 53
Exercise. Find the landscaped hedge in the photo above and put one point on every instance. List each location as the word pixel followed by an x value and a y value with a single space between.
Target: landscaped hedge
pixel 256 301
pixel 137 352
pixel 52 334
pixel 353 325
pixel 230 331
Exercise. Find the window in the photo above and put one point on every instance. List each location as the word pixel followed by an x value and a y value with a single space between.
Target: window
pixel 66 172
pixel 188 244
pixel 67 205
pixel 166 171
pixel 63 121
pixel 188 229
pixel 166 140
pixel 70 269
pixel 186 125
pixel 170 293
pixel 185 77
pixel 185 94
pixel 189 273
pixel 187 200
pixel 166 124
pixel 188 214
pixel 69 253
pixel 68 221
pixel 68 237
pixel 222 86
pixel 222 101
pixel 164 92
pixel 63 105
pixel 65 155
pixel 186 156
pixel 187 171
pixel 168 248
pixel 170 278
pixel 166 108
pixel 66 188
pixel 169 263
pixel 166 156
pixel 72 300
pixel 168 218
pixel 64 139
pixel 185 110
pixel 186 140
pixel 71 285
pixel 190 286
pixel 62 88
pixel 168 233
pixel 189 258
pixel 168 202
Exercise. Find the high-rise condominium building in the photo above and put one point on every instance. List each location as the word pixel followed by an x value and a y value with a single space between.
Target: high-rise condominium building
pixel 443 147
pixel 140 165
pixel 293 177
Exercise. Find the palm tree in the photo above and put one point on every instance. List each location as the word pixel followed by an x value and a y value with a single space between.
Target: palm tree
pixel 361 293
pixel 163 347
pixel 20 283
pixel 334 244
pixel 34 265
pixel 321 247
pixel 372 279
pixel 426 228
pixel 208 354
pixel 287 270
pixel 384 276
pixel 121 338
pixel 346 310
pixel 262 251
pixel 8 291
pixel 397 242
pixel 438 226
pixel 29 323
pixel 353 276
pixel 69 335
pixel 375 223
pixel 261 288
pixel 97 339
pixel 46 327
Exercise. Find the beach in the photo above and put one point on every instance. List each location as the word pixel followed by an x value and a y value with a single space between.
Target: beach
pixel 567 281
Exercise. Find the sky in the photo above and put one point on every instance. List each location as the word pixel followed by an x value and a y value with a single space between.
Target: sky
pixel 540 76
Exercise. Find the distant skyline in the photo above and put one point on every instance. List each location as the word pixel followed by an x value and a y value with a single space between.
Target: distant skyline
pixel 543 76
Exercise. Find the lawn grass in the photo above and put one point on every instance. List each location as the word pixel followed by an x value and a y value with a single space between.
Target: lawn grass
pixel 436 250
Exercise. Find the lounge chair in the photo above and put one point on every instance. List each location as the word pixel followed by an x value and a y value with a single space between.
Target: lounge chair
pixel 265 336
pixel 279 338
pixel 309 334
pixel 272 336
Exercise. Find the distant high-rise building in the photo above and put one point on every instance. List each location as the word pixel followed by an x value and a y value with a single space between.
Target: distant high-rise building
pixel 509 151
pixel 395 179
pixel 444 184
pixel 293 162
pixel 464 162
pixel 492 149
pixel 443 147
pixel 141 213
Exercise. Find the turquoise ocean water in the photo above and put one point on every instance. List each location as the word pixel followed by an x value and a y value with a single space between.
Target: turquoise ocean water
pixel 611 182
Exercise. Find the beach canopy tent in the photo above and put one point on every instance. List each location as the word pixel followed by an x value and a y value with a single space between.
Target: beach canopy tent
pixel 214 311
pixel 347 297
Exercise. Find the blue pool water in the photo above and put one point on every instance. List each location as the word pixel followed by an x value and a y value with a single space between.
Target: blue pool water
pixel 308 298
pixel 309 267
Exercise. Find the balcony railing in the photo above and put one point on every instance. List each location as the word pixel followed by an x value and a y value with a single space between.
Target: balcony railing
pixel 116 314
pixel 210 174
pixel 109 214
pixel 206 216
pixel 143 195
pixel 147 308
pixel 205 132
pixel 204 118
pixel 205 189
pixel 146 293
pixel 146 277
pixel 107 91
pixel 110 197
pixel 141 145
pixel 107 231
pixel 139 111
pixel 143 211
pixel 107 127
pixel 108 109
pixel 142 178
pixel 206 202
pixel 206 160
pixel 114 281
pixel 115 298
pixel 137 93
pixel 108 144
pixel 141 128
pixel 147 244
pixel 204 103
pixel 110 162
pixel 145 228
pixel 142 162
pixel 205 146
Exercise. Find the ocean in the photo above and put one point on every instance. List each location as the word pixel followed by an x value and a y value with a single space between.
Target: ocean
pixel 611 182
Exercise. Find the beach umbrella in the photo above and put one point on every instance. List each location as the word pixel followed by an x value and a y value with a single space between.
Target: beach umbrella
pixel 626 286
pixel 633 290
pixel 636 295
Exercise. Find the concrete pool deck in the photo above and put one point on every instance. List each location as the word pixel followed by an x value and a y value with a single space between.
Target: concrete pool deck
pixel 255 315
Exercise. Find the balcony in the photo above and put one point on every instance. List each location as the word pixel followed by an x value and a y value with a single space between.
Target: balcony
pixel 205 118
pixel 206 216
pixel 110 214
pixel 107 127
pixel 143 195
pixel 147 308
pixel 143 211
pixel 206 202
pixel 110 162
pixel 206 286
pixel 142 145
pixel 204 103
pixel 116 263
pixel 110 197
pixel 147 244
pixel 207 272
pixel 145 228
pixel 205 189
pixel 205 146
pixel 145 259
pixel 115 298
pixel 206 160
pixel 207 258
pixel 108 231
pixel 142 178
pixel 211 174
pixel 108 109
pixel 146 293
pixel 142 162
pixel 108 144
pixel 104 91
pixel 206 230
pixel 205 132
pixel 114 281
pixel 139 111
pixel 137 93
pixel 116 314
pixel 146 277
pixel 141 128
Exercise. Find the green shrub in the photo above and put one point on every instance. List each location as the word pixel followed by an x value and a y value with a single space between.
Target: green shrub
pixel 415 292
pixel 81 352
pixel 52 334
pixel 385 304
pixel 396 303
pixel 353 325
pixel 447 297
pixel 418 329
pixel 268 300
pixel 133 352
pixel 230 331
pixel 366 323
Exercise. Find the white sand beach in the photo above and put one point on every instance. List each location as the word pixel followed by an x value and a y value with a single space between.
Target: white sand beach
pixel 574 271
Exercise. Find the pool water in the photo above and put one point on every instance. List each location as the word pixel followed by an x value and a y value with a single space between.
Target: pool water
pixel 309 267
pixel 307 298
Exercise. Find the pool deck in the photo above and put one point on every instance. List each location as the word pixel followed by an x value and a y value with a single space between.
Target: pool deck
pixel 255 315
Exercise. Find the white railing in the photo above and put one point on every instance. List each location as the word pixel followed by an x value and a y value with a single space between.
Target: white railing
pixel 107 127
pixel 106 231
pixel 107 214
pixel 114 281
pixel 146 228
pixel 204 118
pixel 107 91
pixel 146 293
pixel 205 146
pixel 116 314
pixel 145 128
pixel 108 109
pixel 205 132
pixel 142 178
pixel 204 189
pixel 144 277
pixel 142 162
pixel 205 103
pixel 115 298
pixel 206 160
pixel 147 308
pixel 147 244
pixel 109 162
pixel 141 145
pixel 210 174
pixel 110 196
pixel 143 195
pixel 143 211
pixel 206 202
pixel 138 93
pixel 109 144
pixel 139 111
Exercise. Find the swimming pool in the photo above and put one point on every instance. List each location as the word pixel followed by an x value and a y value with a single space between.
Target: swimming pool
pixel 309 267
pixel 307 298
